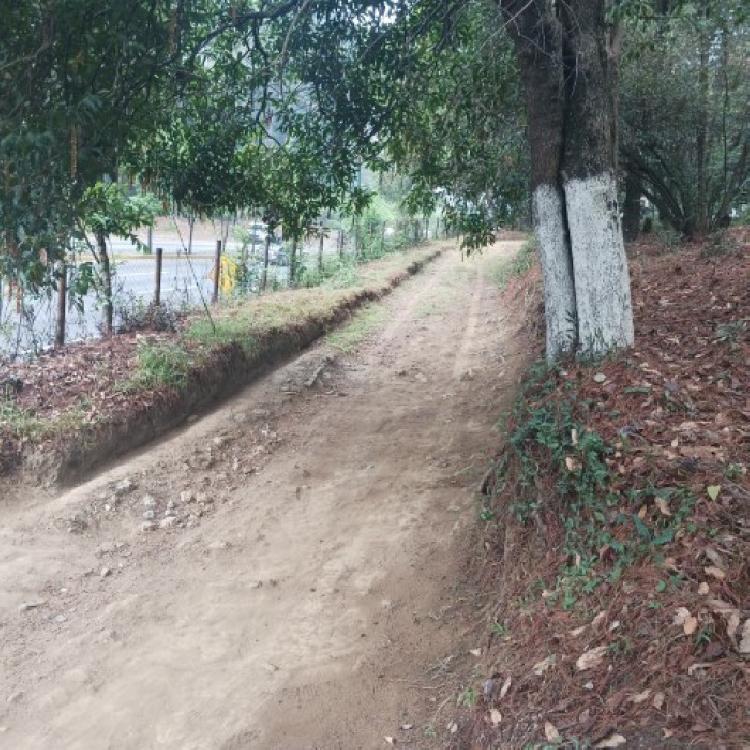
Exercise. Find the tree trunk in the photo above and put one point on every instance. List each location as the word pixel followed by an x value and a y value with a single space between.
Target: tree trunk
pixel 539 48
pixel 568 65
pixel 293 262
pixel 602 282
pixel 105 268
pixel 631 208
pixel 700 225
pixel 266 248
pixel 191 225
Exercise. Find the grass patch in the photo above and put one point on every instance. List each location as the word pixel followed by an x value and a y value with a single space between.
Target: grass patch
pixel 22 423
pixel 519 265
pixel 245 323
pixel 160 364
pixel 25 424
pixel 362 323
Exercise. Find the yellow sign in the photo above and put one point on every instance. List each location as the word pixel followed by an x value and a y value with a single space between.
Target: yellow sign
pixel 228 273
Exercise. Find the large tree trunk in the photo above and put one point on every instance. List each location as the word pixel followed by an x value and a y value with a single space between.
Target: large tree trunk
pixel 542 76
pixel 631 208
pixel 568 64
pixel 600 269
pixel 700 225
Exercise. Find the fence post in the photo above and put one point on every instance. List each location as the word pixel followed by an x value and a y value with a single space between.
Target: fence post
pixel 341 243
pixel 157 277
pixel 217 273
pixel 320 250
pixel 62 297
pixel 382 239
pixel 266 248
pixel 150 240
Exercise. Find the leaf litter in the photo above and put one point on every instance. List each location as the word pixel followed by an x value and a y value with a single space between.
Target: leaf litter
pixel 676 410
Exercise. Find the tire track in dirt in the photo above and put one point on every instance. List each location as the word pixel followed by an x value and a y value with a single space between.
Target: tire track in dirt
pixel 305 607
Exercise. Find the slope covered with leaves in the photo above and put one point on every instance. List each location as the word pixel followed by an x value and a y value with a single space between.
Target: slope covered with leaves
pixel 617 529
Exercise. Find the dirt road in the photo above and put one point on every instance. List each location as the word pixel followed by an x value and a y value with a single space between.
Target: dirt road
pixel 284 572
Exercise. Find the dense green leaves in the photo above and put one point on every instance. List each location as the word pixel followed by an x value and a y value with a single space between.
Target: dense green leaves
pixel 685 112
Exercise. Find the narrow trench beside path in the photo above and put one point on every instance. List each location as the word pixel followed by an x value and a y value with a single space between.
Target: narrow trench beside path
pixel 310 602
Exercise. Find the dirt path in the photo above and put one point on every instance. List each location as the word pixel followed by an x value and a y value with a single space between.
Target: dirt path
pixel 305 596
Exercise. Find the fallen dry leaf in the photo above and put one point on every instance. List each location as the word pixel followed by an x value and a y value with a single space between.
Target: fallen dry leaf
pixel 389 741
pixel 690 625
pixel 733 624
pixel 506 686
pixel 475 651
pixel 542 666
pixel 713 491
pixel 551 733
pixel 744 647
pixel 663 506
pixel 640 697
pixel 703 588
pixel 597 620
pixel 495 717
pixel 591 658
pixel 718 573
pixel 681 615
pixel 614 740
pixel 658 701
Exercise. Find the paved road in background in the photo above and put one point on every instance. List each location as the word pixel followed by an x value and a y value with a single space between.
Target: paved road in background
pixel 187 281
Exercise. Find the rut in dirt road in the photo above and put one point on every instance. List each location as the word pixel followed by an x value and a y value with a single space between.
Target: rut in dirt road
pixel 305 595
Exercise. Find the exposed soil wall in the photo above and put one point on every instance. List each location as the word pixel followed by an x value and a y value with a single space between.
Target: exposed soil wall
pixel 72 456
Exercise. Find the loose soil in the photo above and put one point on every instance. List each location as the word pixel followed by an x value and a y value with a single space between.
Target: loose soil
pixel 308 594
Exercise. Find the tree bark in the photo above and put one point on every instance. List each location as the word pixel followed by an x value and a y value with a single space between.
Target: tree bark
pixel 600 270
pixel 293 262
pixel 537 35
pixel 105 267
pixel 266 248
pixel 568 63
pixel 700 225
pixel 631 208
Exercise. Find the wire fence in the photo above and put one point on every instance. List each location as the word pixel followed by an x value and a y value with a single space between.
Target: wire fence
pixel 155 287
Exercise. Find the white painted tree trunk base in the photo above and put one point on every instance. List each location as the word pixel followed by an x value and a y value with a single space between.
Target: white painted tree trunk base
pixel 600 269
pixel 557 271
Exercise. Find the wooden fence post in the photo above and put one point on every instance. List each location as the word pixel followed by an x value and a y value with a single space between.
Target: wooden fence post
pixel 217 273
pixel 62 301
pixel 157 276
pixel 266 248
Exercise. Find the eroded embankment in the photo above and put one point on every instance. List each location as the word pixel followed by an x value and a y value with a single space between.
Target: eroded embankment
pixel 171 376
